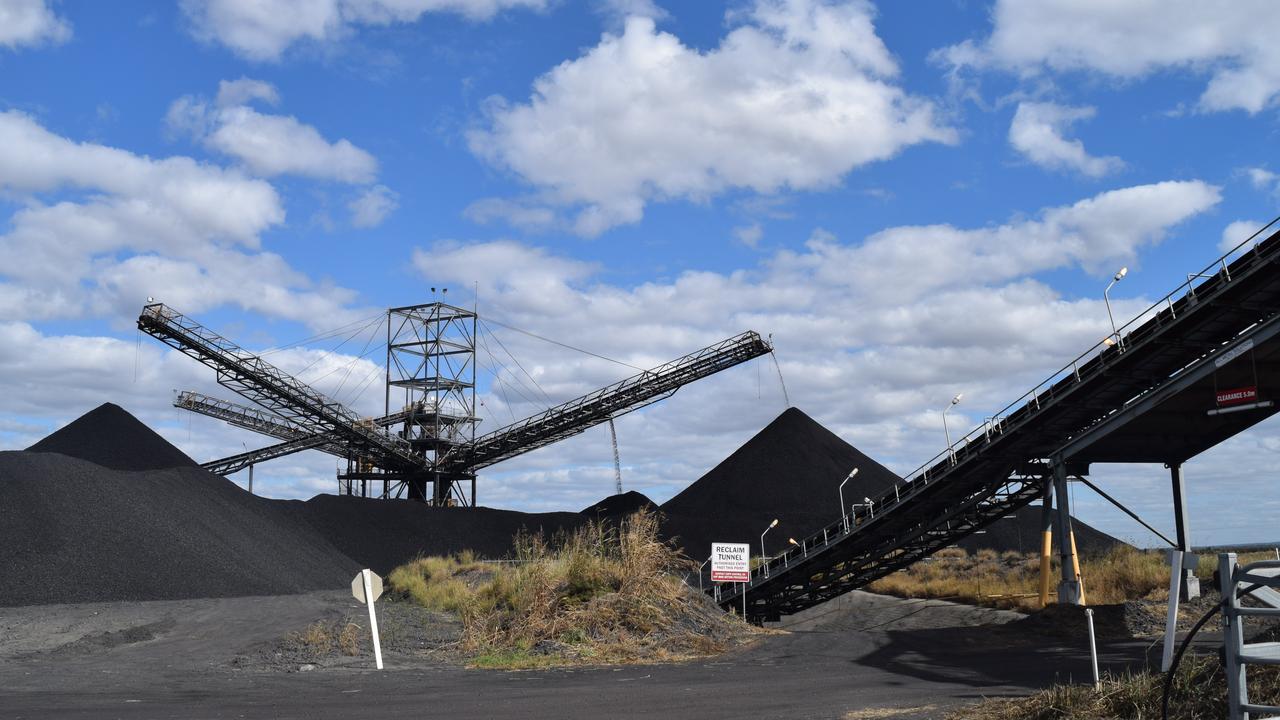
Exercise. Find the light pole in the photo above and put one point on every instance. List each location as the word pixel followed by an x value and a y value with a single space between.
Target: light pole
pixel 843 514
pixel 1106 298
pixel 764 557
pixel 954 401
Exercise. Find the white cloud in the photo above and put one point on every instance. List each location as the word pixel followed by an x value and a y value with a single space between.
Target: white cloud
pixel 873 336
pixel 616 12
pixel 261 30
pixel 795 98
pixel 373 206
pixel 268 145
pixel 525 215
pixel 749 235
pixel 31 22
pixel 244 90
pixel 1237 232
pixel 1037 132
pixel 1231 41
pixel 99 229
pixel 1263 179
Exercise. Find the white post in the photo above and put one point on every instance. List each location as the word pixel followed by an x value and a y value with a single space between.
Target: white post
pixel 1093 650
pixel 744 600
pixel 1171 622
pixel 373 616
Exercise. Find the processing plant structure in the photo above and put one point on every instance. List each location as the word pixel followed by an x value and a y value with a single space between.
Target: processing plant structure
pixel 425 445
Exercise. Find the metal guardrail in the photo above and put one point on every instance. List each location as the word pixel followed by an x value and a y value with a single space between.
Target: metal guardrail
pixel 1086 366
pixel 1259 581
pixel 1072 369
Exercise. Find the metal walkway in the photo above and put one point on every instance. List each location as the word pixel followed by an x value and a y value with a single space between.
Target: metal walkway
pixel 1011 458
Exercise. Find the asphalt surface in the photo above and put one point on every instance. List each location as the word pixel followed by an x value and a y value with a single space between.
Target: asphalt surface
pixel 173 660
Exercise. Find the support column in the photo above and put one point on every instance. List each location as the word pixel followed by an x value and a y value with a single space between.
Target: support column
pixel 1046 541
pixel 1189 586
pixel 1069 592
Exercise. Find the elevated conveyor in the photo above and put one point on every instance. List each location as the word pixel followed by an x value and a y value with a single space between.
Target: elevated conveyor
pixel 1005 463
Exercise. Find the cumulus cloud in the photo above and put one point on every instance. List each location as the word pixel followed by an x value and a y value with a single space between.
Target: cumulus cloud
pixel 616 12
pixel 1231 41
pixel 268 145
pixel 795 97
pixel 261 30
pixel 373 206
pixel 1263 179
pixel 30 23
pixel 749 235
pixel 873 335
pixel 1237 232
pixel 100 228
pixel 1038 133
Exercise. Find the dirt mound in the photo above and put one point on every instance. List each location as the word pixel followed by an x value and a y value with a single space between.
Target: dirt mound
pixel 109 436
pixel 1020 531
pixel 791 470
pixel 381 534
pixel 618 506
pixel 73 531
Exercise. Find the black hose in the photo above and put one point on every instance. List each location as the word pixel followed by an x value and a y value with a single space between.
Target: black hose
pixel 1186 642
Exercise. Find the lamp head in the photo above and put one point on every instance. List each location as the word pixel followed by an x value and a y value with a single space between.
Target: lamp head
pixel 853 472
pixel 774 523
pixel 956 400
pixel 793 542
pixel 1120 275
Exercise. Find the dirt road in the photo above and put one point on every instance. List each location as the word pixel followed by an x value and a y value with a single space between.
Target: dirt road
pixel 178 660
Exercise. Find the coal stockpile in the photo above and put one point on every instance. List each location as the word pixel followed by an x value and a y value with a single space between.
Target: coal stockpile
pixel 620 505
pixel 381 534
pixel 791 470
pixel 74 531
pixel 109 436
pixel 1021 532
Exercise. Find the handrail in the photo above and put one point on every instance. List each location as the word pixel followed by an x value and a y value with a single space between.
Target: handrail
pixel 918 480
pixel 1100 347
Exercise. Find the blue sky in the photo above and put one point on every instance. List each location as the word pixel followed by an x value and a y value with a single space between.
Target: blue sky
pixel 914 200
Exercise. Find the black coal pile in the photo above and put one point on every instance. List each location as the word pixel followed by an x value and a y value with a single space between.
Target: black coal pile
pixel 791 470
pixel 381 534
pixel 1021 532
pixel 109 436
pixel 619 506
pixel 75 531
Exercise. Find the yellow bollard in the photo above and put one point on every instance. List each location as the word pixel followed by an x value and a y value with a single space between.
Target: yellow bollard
pixel 1075 565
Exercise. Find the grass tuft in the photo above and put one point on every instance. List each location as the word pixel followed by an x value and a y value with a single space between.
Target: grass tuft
pixel 599 594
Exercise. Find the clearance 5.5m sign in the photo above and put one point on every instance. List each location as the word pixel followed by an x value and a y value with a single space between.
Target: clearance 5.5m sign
pixel 1237 396
pixel 730 562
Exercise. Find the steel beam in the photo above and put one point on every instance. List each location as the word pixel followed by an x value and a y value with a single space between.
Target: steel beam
pixel 1189 586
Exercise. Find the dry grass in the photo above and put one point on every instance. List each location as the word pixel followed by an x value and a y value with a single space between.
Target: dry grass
pixel 323 638
pixel 1012 580
pixel 597 595
pixel 1199 692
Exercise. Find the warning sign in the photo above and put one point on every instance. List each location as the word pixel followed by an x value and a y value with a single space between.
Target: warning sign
pixel 730 562
pixel 1237 396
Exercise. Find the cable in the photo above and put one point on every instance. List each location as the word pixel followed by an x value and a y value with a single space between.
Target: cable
pixel 563 345
pixel 320 336
pixel 517 362
pixel 1186 642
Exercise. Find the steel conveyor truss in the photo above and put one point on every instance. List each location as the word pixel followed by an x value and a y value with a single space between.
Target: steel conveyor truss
pixel 578 415
pixel 273 389
pixel 294 438
pixel 304 419
pixel 1002 465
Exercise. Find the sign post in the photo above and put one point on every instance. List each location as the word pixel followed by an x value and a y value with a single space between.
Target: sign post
pixel 731 562
pixel 367 588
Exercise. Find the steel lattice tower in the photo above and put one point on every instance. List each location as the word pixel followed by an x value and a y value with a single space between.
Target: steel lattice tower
pixel 431 376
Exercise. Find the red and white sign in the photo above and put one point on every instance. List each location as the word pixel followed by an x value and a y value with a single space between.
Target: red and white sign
pixel 730 562
pixel 1237 396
